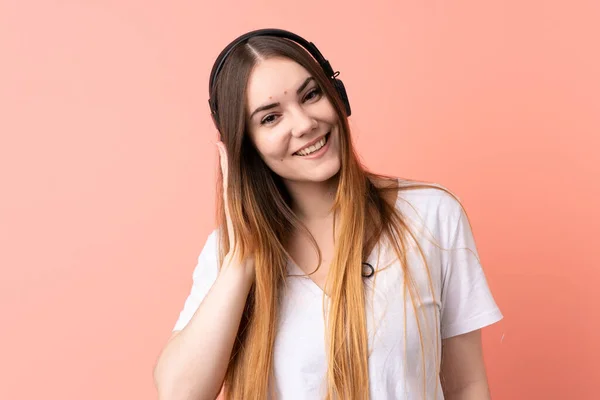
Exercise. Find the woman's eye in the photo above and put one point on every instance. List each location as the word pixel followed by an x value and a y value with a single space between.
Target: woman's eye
pixel 269 119
pixel 312 94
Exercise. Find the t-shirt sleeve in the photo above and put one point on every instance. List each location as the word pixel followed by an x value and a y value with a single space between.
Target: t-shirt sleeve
pixel 204 275
pixel 467 302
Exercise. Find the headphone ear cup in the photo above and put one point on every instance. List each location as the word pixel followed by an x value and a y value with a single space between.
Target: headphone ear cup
pixel 341 89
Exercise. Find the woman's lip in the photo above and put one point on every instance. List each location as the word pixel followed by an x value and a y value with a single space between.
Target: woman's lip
pixel 310 144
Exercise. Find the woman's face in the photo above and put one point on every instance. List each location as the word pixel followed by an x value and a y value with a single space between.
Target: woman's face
pixel 292 123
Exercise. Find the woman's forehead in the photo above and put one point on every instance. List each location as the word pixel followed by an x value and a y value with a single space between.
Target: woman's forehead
pixel 273 78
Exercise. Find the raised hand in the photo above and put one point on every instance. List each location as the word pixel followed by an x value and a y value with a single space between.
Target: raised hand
pixel 231 258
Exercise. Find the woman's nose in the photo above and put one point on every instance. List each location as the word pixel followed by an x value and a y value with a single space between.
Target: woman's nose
pixel 303 122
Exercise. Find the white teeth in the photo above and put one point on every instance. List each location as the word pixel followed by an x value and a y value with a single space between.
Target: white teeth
pixel 313 148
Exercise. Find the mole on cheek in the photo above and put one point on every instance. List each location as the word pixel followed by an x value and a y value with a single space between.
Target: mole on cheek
pixel 285 92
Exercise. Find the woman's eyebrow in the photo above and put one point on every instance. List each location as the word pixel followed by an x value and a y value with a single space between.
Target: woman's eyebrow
pixel 273 105
pixel 304 84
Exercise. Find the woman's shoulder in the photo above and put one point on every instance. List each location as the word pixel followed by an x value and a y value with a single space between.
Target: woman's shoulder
pixel 211 242
pixel 422 195
pixel 208 257
pixel 428 195
pixel 430 203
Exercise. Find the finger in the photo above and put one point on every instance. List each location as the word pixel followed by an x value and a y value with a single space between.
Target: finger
pixel 225 173
pixel 224 166
pixel 223 160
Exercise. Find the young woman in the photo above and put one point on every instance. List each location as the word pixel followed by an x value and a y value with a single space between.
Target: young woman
pixel 322 280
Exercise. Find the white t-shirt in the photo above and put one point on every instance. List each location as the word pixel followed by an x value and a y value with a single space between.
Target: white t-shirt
pixel 462 302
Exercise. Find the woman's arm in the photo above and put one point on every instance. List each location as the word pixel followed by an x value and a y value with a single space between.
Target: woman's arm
pixel 193 363
pixel 462 372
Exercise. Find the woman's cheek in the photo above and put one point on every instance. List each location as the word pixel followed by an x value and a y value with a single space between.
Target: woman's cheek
pixel 274 150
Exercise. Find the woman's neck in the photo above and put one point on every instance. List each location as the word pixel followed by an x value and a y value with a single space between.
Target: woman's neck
pixel 312 200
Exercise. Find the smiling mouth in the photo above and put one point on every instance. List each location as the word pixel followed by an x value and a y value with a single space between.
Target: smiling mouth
pixel 315 147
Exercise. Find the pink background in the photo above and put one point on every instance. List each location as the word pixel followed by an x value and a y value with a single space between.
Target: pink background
pixel 107 166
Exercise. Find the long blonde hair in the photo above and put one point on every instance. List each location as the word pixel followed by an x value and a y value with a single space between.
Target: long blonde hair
pixel 260 211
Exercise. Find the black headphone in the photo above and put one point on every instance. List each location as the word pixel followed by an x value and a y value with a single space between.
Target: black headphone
pixel 309 46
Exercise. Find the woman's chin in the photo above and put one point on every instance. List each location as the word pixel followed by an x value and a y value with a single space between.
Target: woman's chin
pixel 320 175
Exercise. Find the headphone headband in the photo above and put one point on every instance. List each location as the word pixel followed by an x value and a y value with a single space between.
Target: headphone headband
pixel 309 46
